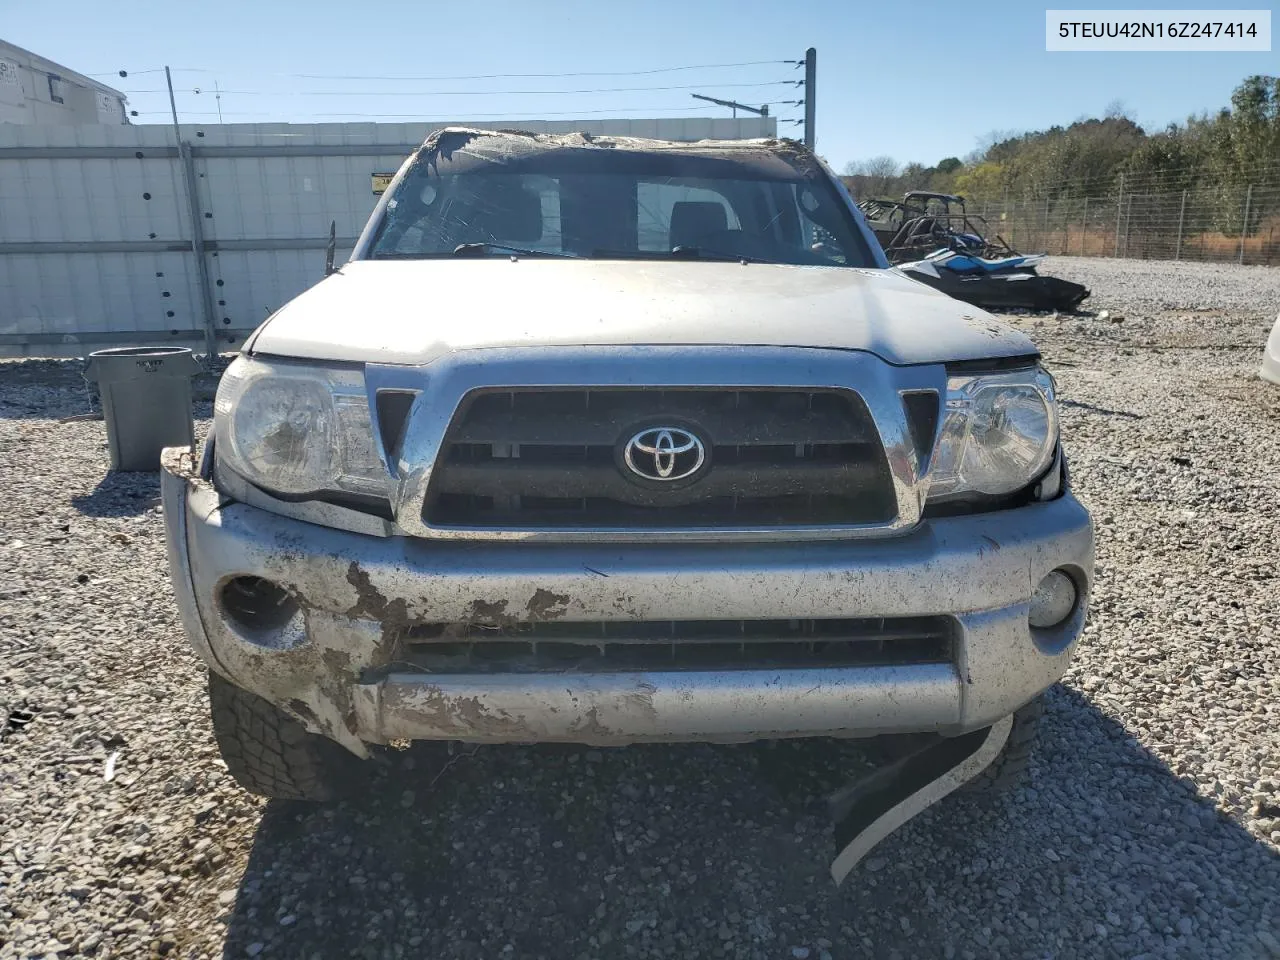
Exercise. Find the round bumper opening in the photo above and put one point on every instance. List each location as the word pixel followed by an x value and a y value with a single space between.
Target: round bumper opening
pixel 255 604
pixel 1053 601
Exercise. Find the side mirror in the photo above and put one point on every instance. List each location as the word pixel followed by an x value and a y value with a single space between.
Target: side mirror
pixel 331 248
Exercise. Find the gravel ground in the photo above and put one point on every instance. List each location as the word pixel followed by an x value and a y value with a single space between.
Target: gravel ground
pixel 1157 285
pixel 1150 826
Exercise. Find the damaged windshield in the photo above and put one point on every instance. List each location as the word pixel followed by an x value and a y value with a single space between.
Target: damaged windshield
pixel 618 204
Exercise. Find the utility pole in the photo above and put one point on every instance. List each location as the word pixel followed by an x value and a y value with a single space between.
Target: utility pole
pixel 810 95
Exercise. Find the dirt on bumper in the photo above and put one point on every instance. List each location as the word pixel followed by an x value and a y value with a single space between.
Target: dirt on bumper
pixel 337 665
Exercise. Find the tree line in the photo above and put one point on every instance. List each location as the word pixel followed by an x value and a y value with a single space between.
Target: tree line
pixel 1219 153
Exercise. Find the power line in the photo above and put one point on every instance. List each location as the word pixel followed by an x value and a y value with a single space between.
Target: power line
pixel 129 73
pixel 471 93
pixel 542 76
pixel 478 76
pixel 419 116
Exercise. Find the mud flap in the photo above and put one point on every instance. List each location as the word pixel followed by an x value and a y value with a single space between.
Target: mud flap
pixel 868 810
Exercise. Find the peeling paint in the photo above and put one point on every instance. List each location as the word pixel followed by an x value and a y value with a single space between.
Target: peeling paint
pixel 462 716
pixel 338 661
pixel 301 709
pixel 181 462
pixel 591 729
pixel 491 613
pixel 371 604
pixel 545 605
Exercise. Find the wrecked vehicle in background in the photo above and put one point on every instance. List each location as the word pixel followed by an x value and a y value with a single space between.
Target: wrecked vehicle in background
pixel 923 222
pixel 1010 283
pixel 932 238
pixel 606 440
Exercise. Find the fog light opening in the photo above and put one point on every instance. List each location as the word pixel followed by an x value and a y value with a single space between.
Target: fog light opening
pixel 254 603
pixel 1054 600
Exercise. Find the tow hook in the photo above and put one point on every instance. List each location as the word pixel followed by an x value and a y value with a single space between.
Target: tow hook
pixel 869 809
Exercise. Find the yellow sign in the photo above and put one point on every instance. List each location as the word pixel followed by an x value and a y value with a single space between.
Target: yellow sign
pixel 381 181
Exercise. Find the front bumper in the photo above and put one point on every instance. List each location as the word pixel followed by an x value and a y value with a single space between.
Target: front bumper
pixel 333 665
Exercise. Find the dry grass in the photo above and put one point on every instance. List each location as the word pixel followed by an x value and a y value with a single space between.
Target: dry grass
pixel 1263 247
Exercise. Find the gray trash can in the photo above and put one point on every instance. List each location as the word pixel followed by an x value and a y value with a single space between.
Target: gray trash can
pixel 146 401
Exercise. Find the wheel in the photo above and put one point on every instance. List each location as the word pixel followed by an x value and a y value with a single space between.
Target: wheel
pixel 1010 766
pixel 271 754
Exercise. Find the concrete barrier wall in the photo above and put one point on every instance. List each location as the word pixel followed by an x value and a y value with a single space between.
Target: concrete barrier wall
pixel 96 235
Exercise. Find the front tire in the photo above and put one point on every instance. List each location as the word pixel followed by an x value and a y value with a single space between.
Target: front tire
pixel 271 754
pixel 1009 768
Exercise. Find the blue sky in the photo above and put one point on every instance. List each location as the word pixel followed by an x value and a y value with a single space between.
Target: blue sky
pixel 918 81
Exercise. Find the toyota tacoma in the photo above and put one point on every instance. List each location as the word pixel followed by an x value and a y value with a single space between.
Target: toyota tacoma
pixel 606 440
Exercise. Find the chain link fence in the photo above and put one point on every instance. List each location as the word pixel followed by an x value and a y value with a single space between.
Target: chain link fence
pixel 1237 224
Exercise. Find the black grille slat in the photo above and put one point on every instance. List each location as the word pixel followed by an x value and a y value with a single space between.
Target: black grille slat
pixel 578 479
pixel 678 644
pixel 574 512
pixel 599 427
pixel 545 458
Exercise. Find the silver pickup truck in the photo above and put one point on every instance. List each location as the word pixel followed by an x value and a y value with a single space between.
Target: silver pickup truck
pixel 606 440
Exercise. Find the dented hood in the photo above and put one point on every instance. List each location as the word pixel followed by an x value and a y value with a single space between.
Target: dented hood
pixel 416 311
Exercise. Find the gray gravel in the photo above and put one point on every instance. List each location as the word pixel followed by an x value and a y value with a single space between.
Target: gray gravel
pixel 1150 826
pixel 1168 285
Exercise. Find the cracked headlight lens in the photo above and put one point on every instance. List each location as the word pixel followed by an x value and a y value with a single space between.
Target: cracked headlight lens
pixel 998 434
pixel 298 430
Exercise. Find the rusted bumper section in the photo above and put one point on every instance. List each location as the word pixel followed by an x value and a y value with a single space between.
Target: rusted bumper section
pixel 334 663
pixel 655 706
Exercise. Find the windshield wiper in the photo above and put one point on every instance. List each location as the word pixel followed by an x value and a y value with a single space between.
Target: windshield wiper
pixel 476 249
pixel 687 252
pixel 604 253
pixel 682 252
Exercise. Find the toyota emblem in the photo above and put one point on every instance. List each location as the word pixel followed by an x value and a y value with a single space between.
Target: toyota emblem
pixel 664 454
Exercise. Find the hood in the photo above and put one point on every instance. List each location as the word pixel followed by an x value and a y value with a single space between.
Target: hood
pixel 416 311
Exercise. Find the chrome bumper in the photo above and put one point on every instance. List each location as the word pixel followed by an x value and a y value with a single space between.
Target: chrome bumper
pixel 333 666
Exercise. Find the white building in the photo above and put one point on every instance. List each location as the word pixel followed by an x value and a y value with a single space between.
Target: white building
pixel 35 91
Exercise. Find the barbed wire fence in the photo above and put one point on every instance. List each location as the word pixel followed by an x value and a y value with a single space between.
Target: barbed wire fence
pixel 1236 223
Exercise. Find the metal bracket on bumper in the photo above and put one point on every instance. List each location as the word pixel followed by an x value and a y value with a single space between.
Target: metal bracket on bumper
pixel 869 809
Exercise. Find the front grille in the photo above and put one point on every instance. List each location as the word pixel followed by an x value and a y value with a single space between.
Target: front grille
pixel 620 646
pixel 552 458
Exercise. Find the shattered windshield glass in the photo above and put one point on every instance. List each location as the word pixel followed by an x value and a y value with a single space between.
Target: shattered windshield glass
pixel 618 204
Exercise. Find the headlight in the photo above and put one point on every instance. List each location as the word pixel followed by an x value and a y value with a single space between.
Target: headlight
pixel 998 434
pixel 297 430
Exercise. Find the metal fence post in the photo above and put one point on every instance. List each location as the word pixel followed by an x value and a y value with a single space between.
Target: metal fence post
pixel 1182 216
pixel 1128 221
pixel 197 230
pixel 1244 224
pixel 1119 212
pixel 1084 230
pixel 197 248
